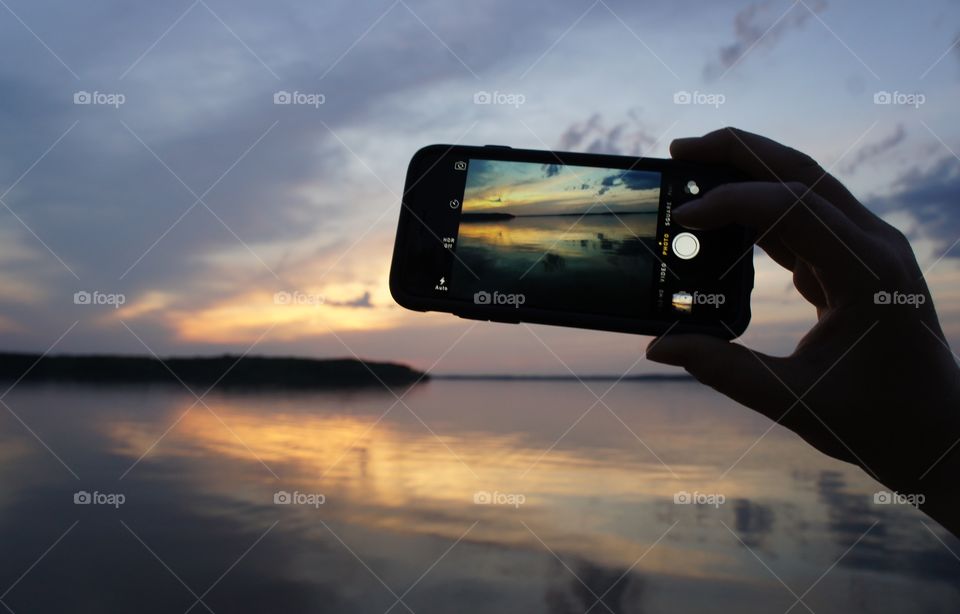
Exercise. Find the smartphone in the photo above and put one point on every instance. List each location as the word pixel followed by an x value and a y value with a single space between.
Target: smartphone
pixel 568 239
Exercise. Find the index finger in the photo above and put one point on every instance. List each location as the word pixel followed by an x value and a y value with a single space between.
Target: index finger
pixel 810 228
pixel 767 160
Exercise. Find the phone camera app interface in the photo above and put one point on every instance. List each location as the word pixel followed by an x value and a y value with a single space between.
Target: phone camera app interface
pixel 559 237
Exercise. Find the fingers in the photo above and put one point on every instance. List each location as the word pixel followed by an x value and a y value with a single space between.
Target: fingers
pixel 807 283
pixel 812 229
pixel 759 381
pixel 748 377
pixel 765 159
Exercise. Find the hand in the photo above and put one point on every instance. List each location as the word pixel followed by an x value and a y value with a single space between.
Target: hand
pixel 874 382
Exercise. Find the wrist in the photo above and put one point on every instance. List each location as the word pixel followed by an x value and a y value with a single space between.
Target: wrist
pixel 937 479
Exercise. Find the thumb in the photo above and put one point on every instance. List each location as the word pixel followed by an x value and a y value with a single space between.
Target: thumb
pixel 748 377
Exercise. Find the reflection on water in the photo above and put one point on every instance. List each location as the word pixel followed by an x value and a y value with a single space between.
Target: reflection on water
pixel 562 262
pixel 578 513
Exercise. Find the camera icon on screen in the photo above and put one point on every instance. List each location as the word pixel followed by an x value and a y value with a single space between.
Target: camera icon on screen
pixel 82 97
pixel 881 298
pixel 282 97
pixel 82 497
pixel 81 298
pixel 681 97
pixel 482 497
pixel 482 97
pixel 882 97
pixel 282 497
pixel 481 298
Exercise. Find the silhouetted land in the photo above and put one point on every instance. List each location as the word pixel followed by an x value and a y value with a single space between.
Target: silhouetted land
pixel 249 372
pixel 502 217
pixel 485 217
pixel 643 377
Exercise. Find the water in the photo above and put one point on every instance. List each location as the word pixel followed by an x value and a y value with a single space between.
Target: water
pixel 583 509
pixel 600 260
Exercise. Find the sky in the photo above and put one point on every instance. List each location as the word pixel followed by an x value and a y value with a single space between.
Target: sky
pixel 208 177
pixel 523 188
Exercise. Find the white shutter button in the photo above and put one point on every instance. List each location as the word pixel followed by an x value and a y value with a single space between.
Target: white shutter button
pixel 686 245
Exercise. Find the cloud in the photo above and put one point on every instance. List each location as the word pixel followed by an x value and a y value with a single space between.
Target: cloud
pixel 593 136
pixel 756 27
pixel 640 180
pixel 361 302
pixel 630 180
pixel 930 195
pixel 200 100
pixel 872 151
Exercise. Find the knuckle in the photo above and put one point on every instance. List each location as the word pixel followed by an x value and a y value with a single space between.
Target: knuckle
pixel 733 131
pixel 805 161
pixel 896 237
pixel 899 253
pixel 729 137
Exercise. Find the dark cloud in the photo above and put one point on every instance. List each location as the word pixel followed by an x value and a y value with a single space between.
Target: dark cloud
pixel 874 150
pixel 640 180
pixel 361 302
pixel 611 180
pixel 931 195
pixel 630 180
pixel 756 26
pixel 593 136
pixel 550 170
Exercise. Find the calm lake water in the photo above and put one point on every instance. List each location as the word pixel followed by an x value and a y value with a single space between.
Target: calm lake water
pixel 474 497
pixel 602 260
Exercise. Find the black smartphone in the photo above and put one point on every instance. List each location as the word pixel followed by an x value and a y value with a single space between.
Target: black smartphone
pixel 569 239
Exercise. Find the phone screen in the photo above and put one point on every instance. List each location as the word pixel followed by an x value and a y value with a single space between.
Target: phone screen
pixel 521 230
pixel 557 236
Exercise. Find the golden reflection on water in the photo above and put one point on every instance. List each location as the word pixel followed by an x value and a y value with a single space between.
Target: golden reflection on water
pixel 398 474
pixel 566 235
pixel 598 482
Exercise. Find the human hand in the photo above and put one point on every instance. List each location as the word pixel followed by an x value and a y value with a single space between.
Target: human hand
pixel 873 382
